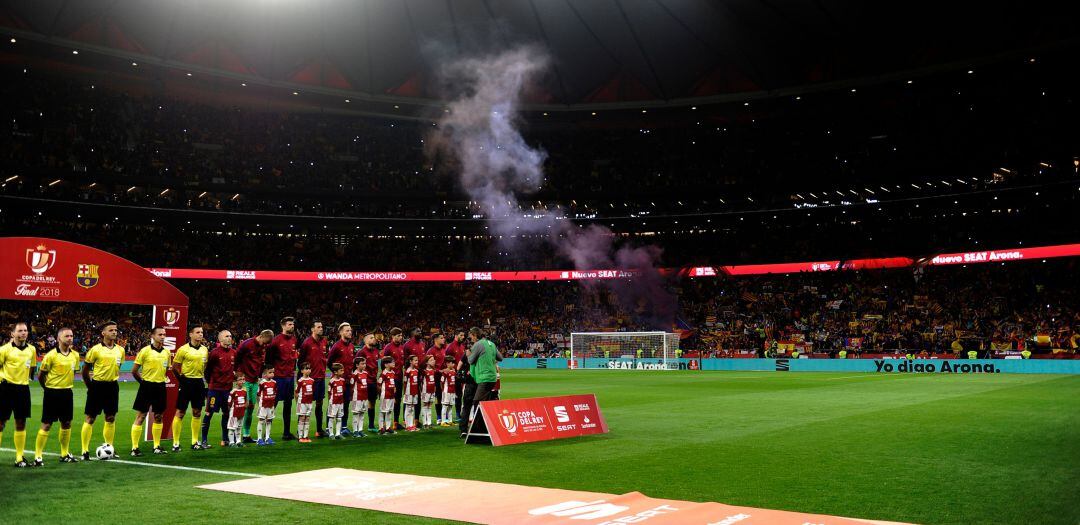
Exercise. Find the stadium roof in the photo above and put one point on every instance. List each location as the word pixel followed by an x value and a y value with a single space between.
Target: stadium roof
pixel 606 52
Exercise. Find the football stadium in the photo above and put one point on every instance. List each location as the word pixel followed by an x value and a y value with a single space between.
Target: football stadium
pixel 704 262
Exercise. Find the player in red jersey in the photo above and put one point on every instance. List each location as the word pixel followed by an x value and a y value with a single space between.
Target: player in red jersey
pixel 238 403
pixel 438 351
pixel 268 395
pixel 455 351
pixel 396 350
pixel 305 396
pixel 387 394
pixel 338 386
pixel 283 355
pixel 219 374
pixel 415 346
pixel 427 392
pixel 313 352
pixel 343 353
pixel 449 387
pixel 410 396
pixel 359 404
pixel 371 358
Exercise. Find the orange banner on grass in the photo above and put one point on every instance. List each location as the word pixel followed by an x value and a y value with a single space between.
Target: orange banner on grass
pixel 503 504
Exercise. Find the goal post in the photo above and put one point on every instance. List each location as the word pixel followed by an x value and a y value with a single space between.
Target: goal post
pixel 624 350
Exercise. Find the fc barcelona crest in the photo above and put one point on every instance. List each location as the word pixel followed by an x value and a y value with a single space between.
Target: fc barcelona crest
pixel 172 315
pixel 87 276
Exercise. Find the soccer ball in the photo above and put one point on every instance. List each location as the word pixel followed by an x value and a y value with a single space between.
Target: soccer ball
pixel 105 451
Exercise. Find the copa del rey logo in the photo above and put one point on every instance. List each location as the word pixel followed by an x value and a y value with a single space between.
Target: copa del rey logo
pixel 40 259
pixel 523 420
pixel 172 315
pixel 509 421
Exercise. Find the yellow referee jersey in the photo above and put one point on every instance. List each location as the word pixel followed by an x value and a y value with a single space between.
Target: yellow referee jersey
pixel 15 363
pixel 59 369
pixel 106 361
pixel 153 363
pixel 192 361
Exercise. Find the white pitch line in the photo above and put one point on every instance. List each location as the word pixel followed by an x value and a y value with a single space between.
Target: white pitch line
pixel 174 467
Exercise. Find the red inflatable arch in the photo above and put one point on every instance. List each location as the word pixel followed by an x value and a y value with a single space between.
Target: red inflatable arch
pixel 39 269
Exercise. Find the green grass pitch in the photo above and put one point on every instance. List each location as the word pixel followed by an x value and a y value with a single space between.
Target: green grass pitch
pixel 999 448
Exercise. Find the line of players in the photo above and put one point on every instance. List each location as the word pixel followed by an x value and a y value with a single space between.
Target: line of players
pixel 265 364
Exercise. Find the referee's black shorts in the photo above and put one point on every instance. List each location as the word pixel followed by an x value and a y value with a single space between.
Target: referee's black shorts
pixel 14 400
pixel 192 392
pixel 56 405
pixel 151 396
pixel 102 396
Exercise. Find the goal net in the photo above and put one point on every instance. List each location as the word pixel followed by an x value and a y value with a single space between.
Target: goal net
pixel 624 350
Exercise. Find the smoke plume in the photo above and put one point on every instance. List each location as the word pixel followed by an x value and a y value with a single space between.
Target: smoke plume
pixel 495 165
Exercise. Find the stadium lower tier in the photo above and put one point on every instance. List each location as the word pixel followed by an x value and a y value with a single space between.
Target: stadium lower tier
pixel 1013 307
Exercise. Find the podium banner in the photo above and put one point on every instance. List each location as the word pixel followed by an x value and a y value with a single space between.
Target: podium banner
pixel 502 503
pixel 513 421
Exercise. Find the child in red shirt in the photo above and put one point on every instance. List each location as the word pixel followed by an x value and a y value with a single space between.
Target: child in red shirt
pixel 410 396
pixel 427 392
pixel 387 391
pixel 305 396
pixel 337 401
pixel 449 385
pixel 359 396
pixel 237 408
pixel 267 404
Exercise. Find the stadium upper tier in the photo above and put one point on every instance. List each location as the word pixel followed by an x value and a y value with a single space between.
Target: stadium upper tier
pixel 947 134
pixel 382 55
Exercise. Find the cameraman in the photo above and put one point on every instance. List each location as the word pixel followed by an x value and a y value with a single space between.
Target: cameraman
pixel 482 373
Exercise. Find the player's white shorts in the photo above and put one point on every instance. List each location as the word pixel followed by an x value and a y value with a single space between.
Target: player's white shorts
pixel 387 405
pixel 427 399
pixel 448 399
pixel 303 409
pixel 266 412
pixel 234 422
pixel 408 400
pixel 359 405
pixel 336 410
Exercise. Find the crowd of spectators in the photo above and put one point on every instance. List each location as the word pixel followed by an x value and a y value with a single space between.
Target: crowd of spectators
pixel 929 311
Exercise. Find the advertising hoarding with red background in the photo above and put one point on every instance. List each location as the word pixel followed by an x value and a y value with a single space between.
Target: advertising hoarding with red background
pixel 513 421
pixel 1017 254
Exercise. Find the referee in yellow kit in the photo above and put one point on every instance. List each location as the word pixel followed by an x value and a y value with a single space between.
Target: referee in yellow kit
pixel 57 376
pixel 188 365
pixel 151 363
pixel 17 361
pixel 100 372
